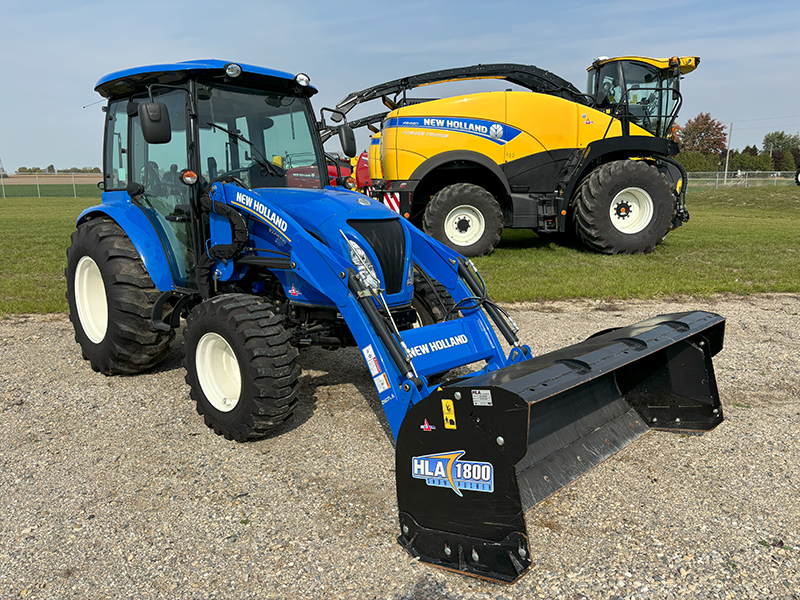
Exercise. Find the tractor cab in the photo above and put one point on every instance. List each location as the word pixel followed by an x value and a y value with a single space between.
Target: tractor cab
pixel 172 127
pixel 645 90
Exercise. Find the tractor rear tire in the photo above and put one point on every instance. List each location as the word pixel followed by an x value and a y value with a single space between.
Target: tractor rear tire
pixel 464 217
pixel 797 177
pixel 111 298
pixel 240 366
pixel 624 207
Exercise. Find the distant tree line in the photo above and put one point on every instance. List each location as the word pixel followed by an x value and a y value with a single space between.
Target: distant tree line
pixel 52 169
pixel 703 144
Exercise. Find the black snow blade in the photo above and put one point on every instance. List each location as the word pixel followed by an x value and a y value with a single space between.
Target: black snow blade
pixel 476 454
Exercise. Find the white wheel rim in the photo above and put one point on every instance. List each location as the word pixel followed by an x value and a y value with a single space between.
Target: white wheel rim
pixel 464 225
pixel 90 299
pixel 631 210
pixel 218 372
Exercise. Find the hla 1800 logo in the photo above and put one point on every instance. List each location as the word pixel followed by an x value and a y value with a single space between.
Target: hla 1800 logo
pixel 445 470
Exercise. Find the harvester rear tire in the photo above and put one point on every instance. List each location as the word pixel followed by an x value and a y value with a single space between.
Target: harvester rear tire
pixel 464 217
pixel 624 207
pixel 111 298
pixel 241 367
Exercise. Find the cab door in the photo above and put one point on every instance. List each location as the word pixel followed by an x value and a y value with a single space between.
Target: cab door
pixel 165 201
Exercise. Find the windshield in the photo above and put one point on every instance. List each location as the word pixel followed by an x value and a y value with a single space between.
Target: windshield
pixel 263 138
pixel 652 94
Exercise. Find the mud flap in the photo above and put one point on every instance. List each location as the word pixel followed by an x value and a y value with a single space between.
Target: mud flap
pixel 476 454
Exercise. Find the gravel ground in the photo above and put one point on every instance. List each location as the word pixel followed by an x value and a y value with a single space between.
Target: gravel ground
pixel 114 488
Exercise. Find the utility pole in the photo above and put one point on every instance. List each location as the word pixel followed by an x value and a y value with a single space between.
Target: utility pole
pixel 728 155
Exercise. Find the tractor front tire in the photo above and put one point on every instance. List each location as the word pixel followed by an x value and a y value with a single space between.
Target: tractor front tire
pixel 240 366
pixel 111 298
pixel 432 301
pixel 464 217
pixel 624 207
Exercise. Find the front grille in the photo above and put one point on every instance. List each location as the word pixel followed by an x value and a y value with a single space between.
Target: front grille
pixel 387 238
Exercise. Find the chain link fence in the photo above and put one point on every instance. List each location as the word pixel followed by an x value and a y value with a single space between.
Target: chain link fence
pixel 39 185
pixel 699 180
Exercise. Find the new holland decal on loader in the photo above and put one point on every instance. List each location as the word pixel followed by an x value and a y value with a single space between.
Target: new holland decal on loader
pixel 596 167
pixel 217 208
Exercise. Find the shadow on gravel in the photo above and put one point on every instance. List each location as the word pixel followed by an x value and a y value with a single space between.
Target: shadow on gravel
pixel 338 367
pixel 426 590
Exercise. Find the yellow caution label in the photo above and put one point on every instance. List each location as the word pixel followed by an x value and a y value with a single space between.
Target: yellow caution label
pixel 449 414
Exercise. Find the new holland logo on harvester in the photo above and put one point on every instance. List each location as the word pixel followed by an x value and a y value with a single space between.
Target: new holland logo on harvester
pixel 225 214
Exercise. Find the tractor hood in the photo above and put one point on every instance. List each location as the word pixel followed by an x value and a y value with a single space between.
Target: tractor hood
pixel 325 212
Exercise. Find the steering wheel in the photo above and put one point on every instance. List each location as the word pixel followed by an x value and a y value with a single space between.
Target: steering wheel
pixel 151 181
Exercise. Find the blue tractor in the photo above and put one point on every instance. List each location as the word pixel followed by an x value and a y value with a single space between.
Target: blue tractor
pixel 218 207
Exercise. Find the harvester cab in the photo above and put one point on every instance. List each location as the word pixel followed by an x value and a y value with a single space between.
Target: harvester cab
pixel 217 208
pixel 645 90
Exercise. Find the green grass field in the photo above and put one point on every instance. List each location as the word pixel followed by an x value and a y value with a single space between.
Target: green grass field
pixel 738 241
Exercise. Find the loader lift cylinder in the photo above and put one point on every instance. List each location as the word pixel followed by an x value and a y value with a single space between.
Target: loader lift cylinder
pixel 514 436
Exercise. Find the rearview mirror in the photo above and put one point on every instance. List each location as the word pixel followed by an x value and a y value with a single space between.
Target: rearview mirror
pixel 154 120
pixel 348 140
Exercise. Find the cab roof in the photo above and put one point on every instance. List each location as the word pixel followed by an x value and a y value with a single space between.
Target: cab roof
pixel 122 83
pixel 687 63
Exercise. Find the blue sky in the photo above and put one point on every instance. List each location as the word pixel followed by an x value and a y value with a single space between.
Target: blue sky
pixel 53 52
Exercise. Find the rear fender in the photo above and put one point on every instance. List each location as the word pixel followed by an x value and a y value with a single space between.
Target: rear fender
pixel 139 229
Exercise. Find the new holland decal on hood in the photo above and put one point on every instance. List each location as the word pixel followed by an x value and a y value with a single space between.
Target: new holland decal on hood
pixel 262 213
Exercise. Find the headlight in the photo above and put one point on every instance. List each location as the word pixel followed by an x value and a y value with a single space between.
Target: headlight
pixel 365 267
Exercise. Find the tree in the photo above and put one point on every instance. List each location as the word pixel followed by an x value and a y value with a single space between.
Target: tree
pixel 751 150
pixel 780 140
pixel 787 162
pixel 703 134
pixel 698 161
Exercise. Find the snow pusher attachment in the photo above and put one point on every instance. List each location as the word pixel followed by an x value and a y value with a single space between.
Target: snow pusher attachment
pixel 478 452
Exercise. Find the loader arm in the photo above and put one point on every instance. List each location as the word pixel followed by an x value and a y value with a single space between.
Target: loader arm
pixel 527 76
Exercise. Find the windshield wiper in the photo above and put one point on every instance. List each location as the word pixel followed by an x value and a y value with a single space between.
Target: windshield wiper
pixel 259 158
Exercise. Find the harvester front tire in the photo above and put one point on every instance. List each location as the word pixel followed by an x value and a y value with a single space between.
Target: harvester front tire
pixel 624 207
pixel 111 298
pixel 464 217
pixel 241 368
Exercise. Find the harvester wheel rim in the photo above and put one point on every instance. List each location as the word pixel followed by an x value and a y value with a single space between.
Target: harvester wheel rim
pixel 464 225
pixel 631 210
pixel 90 299
pixel 218 372
pixel 464 217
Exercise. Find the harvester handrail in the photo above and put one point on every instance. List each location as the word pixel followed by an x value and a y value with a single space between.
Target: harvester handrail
pixel 527 76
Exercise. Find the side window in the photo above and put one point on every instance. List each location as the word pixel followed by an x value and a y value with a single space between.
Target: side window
pixel 116 159
pixel 156 166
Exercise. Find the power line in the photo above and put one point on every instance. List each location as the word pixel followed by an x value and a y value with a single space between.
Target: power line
pixel 765 119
